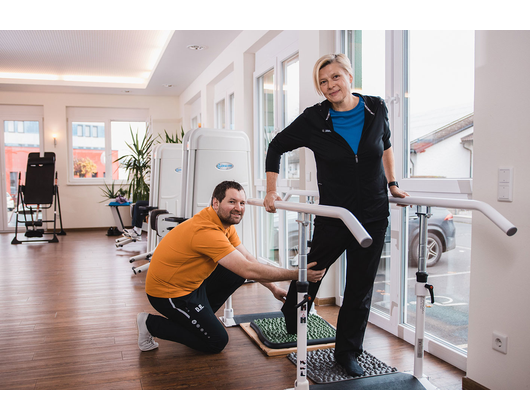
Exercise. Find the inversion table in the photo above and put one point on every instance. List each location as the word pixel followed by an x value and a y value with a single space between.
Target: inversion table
pixel 40 192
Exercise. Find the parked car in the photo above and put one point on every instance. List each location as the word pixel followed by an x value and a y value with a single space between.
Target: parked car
pixel 441 235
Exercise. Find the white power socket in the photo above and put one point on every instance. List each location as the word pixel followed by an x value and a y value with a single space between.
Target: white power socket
pixel 499 342
pixel 505 184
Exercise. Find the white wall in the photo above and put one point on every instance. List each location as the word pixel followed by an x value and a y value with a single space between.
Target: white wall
pixel 499 264
pixel 80 205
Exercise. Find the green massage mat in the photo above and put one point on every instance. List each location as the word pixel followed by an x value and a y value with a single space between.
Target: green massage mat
pixel 272 332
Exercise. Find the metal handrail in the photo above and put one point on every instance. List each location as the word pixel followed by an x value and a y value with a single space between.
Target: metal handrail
pixel 504 224
pixel 497 218
pixel 357 230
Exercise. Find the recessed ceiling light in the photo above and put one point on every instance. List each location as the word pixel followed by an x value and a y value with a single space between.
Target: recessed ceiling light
pixel 196 47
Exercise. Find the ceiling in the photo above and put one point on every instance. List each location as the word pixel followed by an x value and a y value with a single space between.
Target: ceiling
pixel 127 62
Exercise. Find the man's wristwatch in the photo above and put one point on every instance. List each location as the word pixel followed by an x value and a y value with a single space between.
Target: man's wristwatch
pixel 391 184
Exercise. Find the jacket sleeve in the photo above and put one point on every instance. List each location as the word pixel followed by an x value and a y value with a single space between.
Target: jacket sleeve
pixel 294 136
pixel 386 130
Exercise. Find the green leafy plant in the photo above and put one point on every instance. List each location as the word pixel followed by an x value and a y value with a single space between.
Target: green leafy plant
pixel 176 139
pixel 138 165
pixel 110 192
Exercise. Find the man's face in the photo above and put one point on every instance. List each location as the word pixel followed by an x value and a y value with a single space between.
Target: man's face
pixel 232 208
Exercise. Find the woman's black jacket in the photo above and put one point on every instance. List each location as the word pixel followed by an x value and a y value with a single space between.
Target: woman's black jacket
pixel 356 182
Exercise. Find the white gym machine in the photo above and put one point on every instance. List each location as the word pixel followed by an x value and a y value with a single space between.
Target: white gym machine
pixel 185 175
pixel 165 197
pixel 210 157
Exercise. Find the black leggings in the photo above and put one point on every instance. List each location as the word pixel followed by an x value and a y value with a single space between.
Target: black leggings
pixel 190 319
pixel 328 243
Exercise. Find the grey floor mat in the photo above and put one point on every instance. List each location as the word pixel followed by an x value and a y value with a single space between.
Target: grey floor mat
pixel 322 368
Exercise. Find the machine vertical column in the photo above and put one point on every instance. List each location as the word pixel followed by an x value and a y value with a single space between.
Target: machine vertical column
pixel 302 288
pixel 422 290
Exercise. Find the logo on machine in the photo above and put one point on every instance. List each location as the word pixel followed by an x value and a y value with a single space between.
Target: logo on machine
pixel 224 166
pixel 177 170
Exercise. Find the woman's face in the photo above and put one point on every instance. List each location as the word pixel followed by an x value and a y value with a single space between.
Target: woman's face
pixel 335 84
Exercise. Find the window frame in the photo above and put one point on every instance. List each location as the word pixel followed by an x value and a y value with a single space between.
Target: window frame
pixel 17 113
pixel 272 57
pixel 106 116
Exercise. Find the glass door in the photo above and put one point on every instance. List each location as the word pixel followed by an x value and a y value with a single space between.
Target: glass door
pixel 438 92
pixel 20 135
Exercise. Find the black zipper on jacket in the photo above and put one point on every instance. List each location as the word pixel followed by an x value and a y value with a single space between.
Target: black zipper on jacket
pixel 330 125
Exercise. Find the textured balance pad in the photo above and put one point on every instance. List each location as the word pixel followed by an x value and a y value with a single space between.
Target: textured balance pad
pixel 322 368
pixel 272 332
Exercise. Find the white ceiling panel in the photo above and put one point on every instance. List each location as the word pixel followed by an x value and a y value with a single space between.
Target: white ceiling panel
pixel 108 61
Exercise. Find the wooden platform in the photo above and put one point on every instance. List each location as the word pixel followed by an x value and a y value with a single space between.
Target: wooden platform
pixel 278 352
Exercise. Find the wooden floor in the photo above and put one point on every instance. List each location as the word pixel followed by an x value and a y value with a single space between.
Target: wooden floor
pixel 68 321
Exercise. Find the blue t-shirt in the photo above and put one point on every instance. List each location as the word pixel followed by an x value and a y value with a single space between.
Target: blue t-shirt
pixel 349 124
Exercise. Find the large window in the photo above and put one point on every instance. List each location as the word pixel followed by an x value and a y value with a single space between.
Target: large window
pixel 291 110
pixel 21 134
pixel 277 105
pixel 266 130
pixel 438 92
pixel 97 138
pixel 439 89
pixel 269 223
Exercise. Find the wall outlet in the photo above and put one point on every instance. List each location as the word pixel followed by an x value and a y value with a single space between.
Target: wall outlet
pixel 505 184
pixel 499 342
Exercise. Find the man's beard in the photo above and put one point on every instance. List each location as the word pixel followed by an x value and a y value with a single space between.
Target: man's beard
pixel 231 219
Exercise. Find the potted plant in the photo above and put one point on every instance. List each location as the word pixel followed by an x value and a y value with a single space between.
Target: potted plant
pixel 138 165
pixel 111 193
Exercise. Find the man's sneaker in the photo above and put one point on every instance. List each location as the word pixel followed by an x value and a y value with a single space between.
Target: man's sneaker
pixel 132 234
pixel 145 339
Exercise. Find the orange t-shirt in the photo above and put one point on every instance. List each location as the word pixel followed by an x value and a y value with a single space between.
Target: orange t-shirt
pixel 188 254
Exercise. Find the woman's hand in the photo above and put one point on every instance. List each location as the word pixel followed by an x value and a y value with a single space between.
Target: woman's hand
pixel 269 200
pixel 398 193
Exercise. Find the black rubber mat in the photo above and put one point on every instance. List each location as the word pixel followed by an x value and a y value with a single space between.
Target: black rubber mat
pixel 322 368
pixel 390 381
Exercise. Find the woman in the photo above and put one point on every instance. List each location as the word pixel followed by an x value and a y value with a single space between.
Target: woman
pixel 350 138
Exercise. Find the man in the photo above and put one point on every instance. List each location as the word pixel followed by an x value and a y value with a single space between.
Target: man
pixel 196 267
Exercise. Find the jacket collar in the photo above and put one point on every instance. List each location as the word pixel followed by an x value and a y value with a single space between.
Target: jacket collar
pixel 325 106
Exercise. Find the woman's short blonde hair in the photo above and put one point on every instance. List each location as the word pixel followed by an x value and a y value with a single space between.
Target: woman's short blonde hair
pixel 323 61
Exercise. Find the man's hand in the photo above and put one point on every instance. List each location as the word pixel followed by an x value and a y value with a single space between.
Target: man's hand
pixel 278 293
pixel 314 276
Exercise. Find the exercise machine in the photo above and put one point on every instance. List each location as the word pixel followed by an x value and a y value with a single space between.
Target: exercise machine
pixel 210 157
pixel 40 192
pixel 397 380
pixel 184 176
pixel 423 289
pixel 302 286
pixel 165 196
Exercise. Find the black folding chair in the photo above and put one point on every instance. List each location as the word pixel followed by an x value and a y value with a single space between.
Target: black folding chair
pixel 39 193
